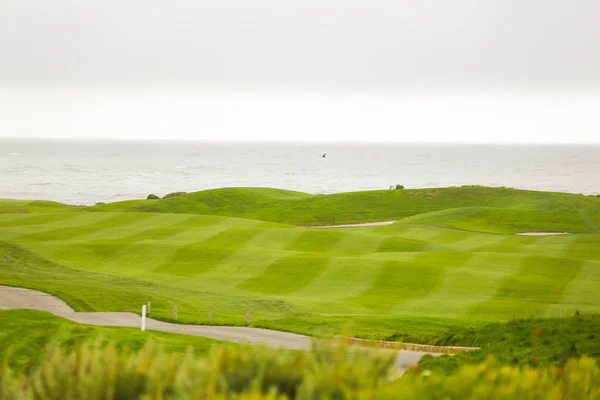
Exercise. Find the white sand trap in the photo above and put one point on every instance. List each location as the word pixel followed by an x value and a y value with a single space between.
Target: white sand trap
pixel 543 233
pixel 352 225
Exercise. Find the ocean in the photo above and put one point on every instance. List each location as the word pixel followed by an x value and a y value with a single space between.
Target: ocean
pixel 87 172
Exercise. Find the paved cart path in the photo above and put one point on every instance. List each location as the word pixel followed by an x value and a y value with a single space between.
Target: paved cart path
pixel 20 298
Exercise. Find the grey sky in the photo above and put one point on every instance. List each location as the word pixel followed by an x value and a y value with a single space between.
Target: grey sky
pixel 387 47
pixel 346 44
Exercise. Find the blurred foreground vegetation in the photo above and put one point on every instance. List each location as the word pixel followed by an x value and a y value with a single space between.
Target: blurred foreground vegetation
pixel 96 372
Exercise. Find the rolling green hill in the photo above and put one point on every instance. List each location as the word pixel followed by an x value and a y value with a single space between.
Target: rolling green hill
pixel 380 205
pixel 499 210
pixel 452 259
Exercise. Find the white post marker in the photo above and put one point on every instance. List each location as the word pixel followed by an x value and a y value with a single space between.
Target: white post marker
pixel 144 317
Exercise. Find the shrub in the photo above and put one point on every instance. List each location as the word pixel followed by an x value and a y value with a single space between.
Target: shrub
pixel 174 194
pixel 327 372
pixel 100 203
pixel 152 196
pixel 399 187
pixel 536 342
pixel 96 372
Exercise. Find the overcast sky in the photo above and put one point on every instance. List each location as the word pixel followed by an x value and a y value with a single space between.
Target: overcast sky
pixel 379 70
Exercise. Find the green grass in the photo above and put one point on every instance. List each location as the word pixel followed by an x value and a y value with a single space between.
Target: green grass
pixel 534 342
pixel 26 334
pixel 452 259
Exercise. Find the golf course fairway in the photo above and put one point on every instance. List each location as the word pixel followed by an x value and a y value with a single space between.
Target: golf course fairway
pixel 453 258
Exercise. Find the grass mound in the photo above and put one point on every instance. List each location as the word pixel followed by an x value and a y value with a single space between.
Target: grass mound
pixel 28 206
pixel 504 221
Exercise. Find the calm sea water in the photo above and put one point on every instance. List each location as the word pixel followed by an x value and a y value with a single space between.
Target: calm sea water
pixel 86 172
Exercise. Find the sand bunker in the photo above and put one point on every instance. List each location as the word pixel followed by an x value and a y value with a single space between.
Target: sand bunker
pixel 542 233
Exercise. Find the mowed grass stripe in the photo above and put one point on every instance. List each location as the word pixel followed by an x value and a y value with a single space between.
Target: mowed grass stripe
pixel 192 259
pixel 450 237
pixel 210 226
pixel 551 246
pixel 195 259
pixel 581 294
pixel 14 220
pixel 400 244
pixel 121 231
pixel 244 264
pixel 344 277
pixel 275 238
pixel 17 231
pixel 411 231
pixel 443 259
pixel 585 247
pixel 509 244
pixel 233 238
pixel 358 243
pixel 462 287
pixel 317 240
pixel 538 283
pixel 398 282
pixel 103 255
pixel 469 241
pixel 154 248
pixel 164 228
pixel 109 258
pixel 287 275
pixel 245 261
pixel 88 291
pixel 134 258
pixel 86 225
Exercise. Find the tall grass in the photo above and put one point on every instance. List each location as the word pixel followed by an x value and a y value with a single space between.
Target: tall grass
pixel 327 372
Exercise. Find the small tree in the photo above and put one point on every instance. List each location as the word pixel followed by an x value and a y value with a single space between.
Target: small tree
pixel 399 187
pixel 152 197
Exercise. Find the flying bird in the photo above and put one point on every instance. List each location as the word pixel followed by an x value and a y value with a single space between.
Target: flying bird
pixel 324 155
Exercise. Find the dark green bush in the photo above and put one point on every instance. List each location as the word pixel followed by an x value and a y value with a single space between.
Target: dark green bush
pixel 537 342
pixel 399 187
pixel 174 194
pixel 152 197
